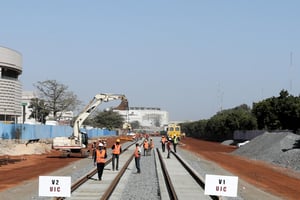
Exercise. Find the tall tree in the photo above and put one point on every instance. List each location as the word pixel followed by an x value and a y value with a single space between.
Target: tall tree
pixel 39 110
pixel 108 119
pixel 56 96
pixel 278 113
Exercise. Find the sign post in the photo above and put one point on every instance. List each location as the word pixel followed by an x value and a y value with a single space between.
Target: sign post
pixel 55 186
pixel 221 185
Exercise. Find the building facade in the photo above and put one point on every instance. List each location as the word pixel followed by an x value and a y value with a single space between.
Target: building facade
pixel 26 111
pixel 146 116
pixel 10 86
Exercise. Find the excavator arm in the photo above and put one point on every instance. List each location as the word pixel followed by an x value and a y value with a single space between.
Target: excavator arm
pixel 78 141
pixel 92 106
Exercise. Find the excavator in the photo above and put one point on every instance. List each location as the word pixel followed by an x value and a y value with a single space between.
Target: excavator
pixel 78 141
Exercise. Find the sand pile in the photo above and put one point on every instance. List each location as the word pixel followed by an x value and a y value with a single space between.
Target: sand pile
pixel 10 147
pixel 281 148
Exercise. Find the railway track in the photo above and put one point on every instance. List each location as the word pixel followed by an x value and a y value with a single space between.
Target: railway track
pixel 181 181
pixel 86 186
pixel 170 174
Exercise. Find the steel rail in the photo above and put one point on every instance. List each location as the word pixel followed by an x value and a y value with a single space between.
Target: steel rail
pixel 91 173
pixel 169 185
pixel 115 182
pixel 193 174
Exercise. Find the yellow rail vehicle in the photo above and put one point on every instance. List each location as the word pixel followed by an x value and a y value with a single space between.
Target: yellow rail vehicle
pixel 173 130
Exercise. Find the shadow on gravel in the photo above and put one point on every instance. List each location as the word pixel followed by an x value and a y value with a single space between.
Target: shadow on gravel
pixel 94 179
pixel 296 145
pixel 64 157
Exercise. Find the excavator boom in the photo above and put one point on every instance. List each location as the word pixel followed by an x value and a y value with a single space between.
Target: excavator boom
pixel 78 140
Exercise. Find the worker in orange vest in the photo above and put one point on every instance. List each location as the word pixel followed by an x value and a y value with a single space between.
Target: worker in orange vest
pixel 169 148
pixel 151 146
pixel 116 151
pixel 163 143
pixel 146 147
pixel 137 157
pixel 100 159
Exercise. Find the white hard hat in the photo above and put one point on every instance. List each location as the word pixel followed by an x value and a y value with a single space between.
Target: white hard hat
pixel 100 144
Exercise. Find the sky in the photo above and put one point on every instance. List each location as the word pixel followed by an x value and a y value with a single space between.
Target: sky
pixel 190 58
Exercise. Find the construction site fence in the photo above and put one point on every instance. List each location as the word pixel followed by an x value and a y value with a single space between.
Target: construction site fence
pixel 40 131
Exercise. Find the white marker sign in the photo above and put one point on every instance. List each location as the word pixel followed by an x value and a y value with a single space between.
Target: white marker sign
pixel 55 186
pixel 221 185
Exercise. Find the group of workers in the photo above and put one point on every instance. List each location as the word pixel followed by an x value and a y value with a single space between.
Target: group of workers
pixel 148 146
pixel 168 142
pixel 100 154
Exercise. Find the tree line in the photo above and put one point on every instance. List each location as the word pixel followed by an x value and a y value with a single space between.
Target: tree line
pixel 274 113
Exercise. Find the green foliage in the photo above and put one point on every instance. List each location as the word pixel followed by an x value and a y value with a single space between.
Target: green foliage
pixel 135 125
pixel 39 110
pixel 107 119
pixel 275 113
pixel 278 113
pixel 194 129
pixel 222 125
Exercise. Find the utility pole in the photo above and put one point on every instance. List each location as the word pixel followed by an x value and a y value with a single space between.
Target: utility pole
pixel 291 71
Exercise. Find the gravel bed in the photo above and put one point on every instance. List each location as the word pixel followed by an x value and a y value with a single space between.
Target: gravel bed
pixel 280 148
pixel 145 184
pixel 203 167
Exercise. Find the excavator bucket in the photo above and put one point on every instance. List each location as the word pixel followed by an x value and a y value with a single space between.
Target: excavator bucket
pixel 123 105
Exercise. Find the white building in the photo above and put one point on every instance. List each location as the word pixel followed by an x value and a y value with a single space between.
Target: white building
pixel 10 86
pixel 146 116
pixel 26 98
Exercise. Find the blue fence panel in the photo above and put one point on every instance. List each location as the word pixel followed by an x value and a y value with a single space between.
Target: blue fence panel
pixel 107 132
pixel 6 131
pixel 29 131
pixel 42 131
pixel 60 131
pixel 96 133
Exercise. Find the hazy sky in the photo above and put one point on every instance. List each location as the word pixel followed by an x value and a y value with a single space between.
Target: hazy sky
pixel 190 58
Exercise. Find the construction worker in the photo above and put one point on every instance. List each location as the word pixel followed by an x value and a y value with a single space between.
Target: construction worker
pixel 163 143
pixel 175 142
pixel 100 159
pixel 151 146
pixel 137 157
pixel 146 147
pixel 116 151
pixel 169 148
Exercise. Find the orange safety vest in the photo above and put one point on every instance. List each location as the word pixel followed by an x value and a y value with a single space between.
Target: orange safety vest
pixel 152 145
pixel 137 152
pixel 146 145
pixel 117 149
pixel 100 156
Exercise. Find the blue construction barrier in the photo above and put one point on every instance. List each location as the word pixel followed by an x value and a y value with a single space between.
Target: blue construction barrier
pixel 30 132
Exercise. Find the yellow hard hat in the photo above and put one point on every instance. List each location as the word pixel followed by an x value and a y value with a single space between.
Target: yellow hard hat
pixel 118 140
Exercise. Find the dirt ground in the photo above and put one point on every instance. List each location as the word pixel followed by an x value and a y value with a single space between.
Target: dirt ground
pixel 29 167
pixel 275 180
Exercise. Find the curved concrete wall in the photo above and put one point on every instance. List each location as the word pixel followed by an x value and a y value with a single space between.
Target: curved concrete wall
pixel 10 86
pixel 10 58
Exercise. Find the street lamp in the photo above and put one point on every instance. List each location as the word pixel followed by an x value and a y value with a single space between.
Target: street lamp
pixel 15 117
pixel 4 115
